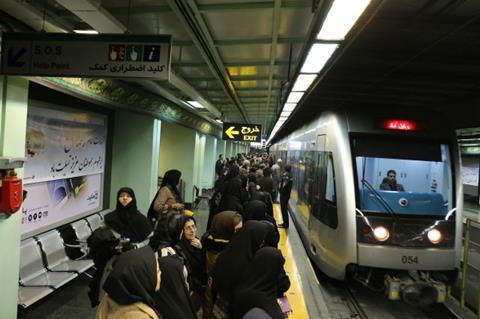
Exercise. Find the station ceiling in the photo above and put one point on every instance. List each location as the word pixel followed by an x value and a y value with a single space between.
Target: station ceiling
pixel 241 56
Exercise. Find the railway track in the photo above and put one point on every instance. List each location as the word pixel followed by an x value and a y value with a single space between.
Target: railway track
pixel 353 300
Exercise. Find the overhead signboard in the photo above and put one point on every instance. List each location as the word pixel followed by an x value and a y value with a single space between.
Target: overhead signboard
pixel 84 55
pixel 242 132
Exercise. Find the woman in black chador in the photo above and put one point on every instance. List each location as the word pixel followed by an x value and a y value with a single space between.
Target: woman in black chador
pixel 263 281
pixel 126 220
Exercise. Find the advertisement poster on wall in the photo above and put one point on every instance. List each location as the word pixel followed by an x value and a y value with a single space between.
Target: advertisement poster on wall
pixel 51 202
pixel 63 174
pixel 63 144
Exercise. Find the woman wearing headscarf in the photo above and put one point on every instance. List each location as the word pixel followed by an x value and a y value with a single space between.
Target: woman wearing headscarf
pixel 257 210
pixel 231 191
pixel 168 197
pixel 215 240
pixel 173 300
pixel 231 263
pixel 264 280
pixel 264 197
pixel 190 248
pixel 130 287
pixel 126 221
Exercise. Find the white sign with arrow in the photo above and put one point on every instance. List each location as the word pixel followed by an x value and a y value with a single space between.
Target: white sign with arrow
pixel 103 55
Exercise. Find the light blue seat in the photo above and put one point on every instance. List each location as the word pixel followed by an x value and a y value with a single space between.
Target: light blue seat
pixel 32 271
pixel 27 296
pixel 95 221
pixel 56 257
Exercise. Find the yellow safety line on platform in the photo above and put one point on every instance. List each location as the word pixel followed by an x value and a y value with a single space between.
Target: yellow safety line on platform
pixel 295 293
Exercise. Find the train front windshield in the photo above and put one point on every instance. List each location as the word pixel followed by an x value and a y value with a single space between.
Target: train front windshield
pixel 403 176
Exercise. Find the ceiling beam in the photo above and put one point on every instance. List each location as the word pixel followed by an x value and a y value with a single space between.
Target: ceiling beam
pixel 102 21
pixel 192 93
pixel 32 16
pixel 240 78
pixel 240 89
pixel 253 5
pixel 235 78
pixel 95 15
pixel 231 42
pixel 232 64
pixel 273 52
pixel 188 14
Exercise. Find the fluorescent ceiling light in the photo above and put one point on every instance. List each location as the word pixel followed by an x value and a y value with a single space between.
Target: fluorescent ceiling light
pixel 82 27
pixel 289 107
pixel 303 82
pixel 86 31
pixel 317 57
pixel 196 105
pixel 294 97
pixel 285 114
pixel 283 118
pixel 340 19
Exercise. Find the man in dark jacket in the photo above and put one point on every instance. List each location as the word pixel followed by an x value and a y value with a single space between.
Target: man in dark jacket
pixel 285 190
pixel 219 166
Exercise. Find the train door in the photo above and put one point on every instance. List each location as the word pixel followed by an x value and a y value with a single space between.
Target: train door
pixel 323 221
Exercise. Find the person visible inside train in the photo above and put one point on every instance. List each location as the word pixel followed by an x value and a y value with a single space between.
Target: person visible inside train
pixel 127 223
pixel 263 281
pixel 285 190
pixel 173 299
pixel 191 250
pixel 131 286
pixel 390 182
pixel 231 263
pixel 168 199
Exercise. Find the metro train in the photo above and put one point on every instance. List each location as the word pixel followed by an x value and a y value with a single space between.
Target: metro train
pixel 405 241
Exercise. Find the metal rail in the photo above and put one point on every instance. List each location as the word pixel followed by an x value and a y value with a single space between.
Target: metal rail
pixel 357 311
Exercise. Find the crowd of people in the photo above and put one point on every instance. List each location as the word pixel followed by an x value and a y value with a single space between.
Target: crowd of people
pixel 158 266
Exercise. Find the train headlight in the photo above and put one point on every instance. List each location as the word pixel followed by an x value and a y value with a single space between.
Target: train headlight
pixel 381 233
pixel 434 235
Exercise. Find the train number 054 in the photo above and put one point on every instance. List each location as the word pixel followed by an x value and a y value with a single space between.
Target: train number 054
pixel 410 259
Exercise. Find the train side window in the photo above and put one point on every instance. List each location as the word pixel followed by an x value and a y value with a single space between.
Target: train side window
pixel 330 183
pixel 325 209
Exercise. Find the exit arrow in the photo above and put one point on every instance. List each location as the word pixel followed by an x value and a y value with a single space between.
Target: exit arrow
pixel 13 59
pixel 230 132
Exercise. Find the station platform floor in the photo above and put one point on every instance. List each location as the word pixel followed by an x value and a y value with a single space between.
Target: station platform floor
pixel 71 301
